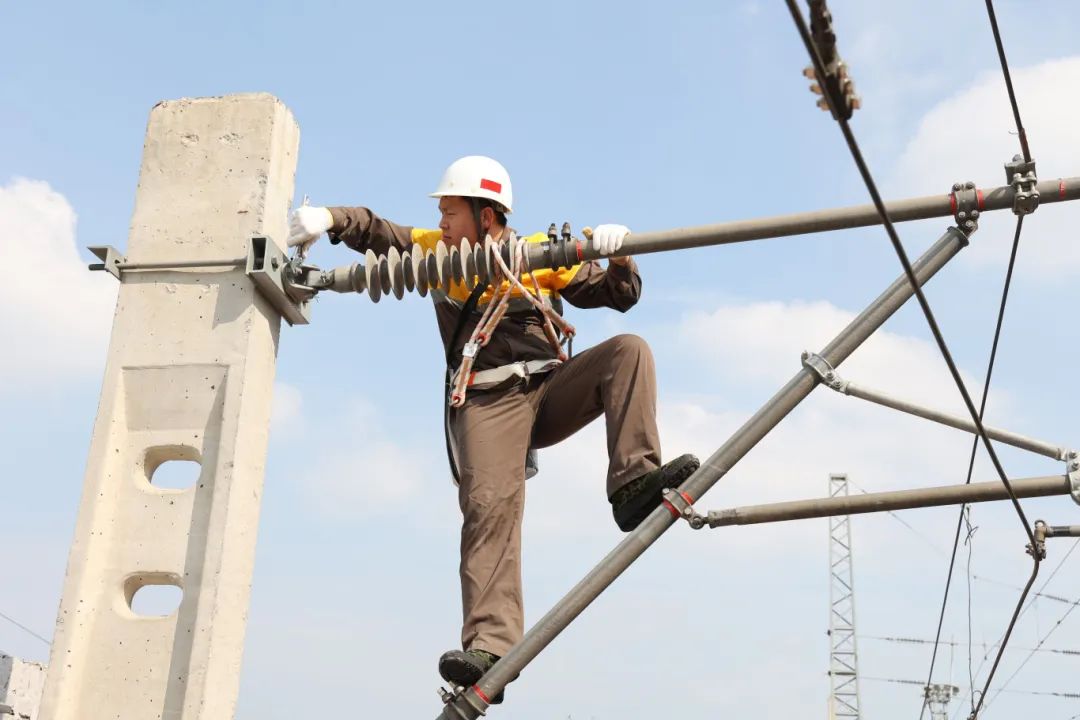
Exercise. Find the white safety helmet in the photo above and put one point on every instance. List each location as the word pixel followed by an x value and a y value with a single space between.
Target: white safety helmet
pixel 477 176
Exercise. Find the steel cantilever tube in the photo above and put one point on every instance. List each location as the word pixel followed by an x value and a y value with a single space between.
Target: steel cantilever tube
pixel 888 501
pixel 922 208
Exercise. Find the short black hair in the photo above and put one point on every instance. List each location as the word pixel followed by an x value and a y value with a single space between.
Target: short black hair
pixel 500 216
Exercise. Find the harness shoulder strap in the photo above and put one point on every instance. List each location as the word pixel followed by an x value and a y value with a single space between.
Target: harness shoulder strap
pixel 466 311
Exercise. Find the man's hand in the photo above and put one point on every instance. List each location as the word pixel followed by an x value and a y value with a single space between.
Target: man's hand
pixel 607 239
pixel 306 225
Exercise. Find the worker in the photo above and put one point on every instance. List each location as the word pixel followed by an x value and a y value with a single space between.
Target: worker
pixel 521 395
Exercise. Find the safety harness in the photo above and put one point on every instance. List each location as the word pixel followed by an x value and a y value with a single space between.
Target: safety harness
pixel 505 281
pixel 460 378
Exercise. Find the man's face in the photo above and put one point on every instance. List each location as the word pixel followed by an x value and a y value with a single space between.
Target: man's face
pixel 456 220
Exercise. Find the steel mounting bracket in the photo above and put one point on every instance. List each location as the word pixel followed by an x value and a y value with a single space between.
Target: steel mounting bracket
pixel 825 372
pixel 681 505
pixel 967 202
pixel 112 260
pixel 272 271
pixel 461 694
pixel 1021 175
pixel 1072 471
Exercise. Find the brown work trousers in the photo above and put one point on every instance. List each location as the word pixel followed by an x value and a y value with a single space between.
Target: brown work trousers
pixel 494 430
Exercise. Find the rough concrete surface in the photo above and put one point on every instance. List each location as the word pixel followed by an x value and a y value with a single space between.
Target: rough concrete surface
pixel 20 688
pixel 188 378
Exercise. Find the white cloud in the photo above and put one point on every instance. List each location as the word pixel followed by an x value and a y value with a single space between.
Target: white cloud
pixel 971 135
pixel 285 413
pixel 360 470
pixel 762 342
pixel 59 312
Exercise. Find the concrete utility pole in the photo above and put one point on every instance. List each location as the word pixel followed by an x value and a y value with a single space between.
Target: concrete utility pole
pixel 188 378
pixel 843 657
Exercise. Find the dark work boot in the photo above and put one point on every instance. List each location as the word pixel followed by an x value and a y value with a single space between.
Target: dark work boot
pixel 466 667
pixel 633 502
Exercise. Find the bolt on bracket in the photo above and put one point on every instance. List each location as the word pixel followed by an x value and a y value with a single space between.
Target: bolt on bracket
pixel 967 203
pixel 681 505
pixel 1072 471
pixel 274 274
pixel 825 372
pixel 1021 175
pixel 462 695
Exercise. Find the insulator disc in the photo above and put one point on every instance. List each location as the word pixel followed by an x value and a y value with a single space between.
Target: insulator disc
pixel 480 259
pixel 420 268
pixel 357 278
pixel 468 264
pixel 384 275
pixel 407 271
pixel 432 269
pixel 490 248
pixel 442 265
pixel 456 271
pixel 394 272
pixel 371 270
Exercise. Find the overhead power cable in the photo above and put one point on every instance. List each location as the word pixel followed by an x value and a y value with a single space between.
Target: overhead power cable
pixel 1031 654
pixel 22 627
pixel 1044 693
pixel 953 643
pixel 1022 135
pixel 1031 602
pixel 964 509
pixel 841 114
pixel 1008 80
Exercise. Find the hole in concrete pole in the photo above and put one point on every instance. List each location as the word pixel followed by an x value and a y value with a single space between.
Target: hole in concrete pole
pixel 173 467
pixel 153 594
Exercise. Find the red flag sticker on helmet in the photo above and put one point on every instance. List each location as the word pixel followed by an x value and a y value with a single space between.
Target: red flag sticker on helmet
pixel 491 185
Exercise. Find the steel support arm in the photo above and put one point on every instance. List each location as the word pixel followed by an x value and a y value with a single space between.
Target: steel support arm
pixel 471 702
pixel 550 254
pixel 886 501
pixel 833 381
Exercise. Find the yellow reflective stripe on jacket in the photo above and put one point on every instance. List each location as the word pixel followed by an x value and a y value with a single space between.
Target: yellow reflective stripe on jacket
pixel 550 281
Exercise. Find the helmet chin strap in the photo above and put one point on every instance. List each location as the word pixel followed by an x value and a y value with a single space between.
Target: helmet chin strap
pixel 479 239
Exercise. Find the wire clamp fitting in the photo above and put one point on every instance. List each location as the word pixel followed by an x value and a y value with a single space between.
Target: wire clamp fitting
pixel 681 505
pixel 1038 550
pixel 1072 471
pixel 452 701
pixel 837 83
pixel 1021 175
pixel 967 202
pixel 825 372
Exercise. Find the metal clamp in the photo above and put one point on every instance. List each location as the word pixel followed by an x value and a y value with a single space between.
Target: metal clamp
pixel 453 700
pixel 1072 471
pixel 560 250
pixel 966 202
pixel 1038 550
pixel 825 372
pixel 837 83
pixel 276 277
pixel 1021 175
pixel 681 505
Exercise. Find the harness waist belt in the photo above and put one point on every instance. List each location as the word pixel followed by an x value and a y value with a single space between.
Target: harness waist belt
pixel 489 378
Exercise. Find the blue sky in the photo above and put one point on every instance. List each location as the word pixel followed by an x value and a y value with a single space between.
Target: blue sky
pixel 652 115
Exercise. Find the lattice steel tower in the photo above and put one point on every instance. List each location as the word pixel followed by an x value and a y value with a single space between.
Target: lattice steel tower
pixel 843 658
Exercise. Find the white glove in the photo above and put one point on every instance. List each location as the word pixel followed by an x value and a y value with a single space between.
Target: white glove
pixel 609 238
pixel 307 223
